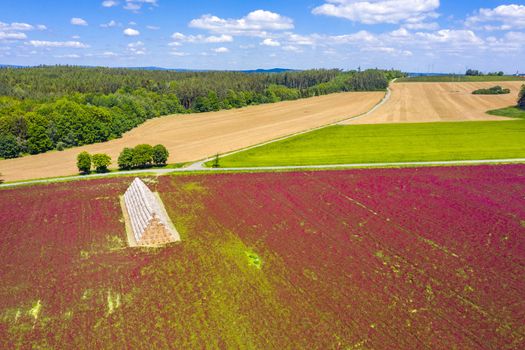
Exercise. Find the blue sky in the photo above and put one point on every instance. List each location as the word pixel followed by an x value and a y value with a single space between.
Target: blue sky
pixel 412 35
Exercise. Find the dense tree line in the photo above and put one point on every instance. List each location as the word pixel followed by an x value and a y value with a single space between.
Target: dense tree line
pixel 45 108
pixel 476 73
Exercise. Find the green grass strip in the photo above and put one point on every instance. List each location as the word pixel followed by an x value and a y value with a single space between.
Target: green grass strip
pixel 382 143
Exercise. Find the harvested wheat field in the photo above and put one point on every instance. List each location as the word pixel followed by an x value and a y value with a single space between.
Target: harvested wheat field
pixel 434 102
pixel 192 137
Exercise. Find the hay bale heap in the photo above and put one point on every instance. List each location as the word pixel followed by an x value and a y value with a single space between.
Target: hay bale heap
pixel 149 221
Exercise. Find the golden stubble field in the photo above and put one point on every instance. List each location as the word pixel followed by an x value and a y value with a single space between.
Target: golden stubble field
pixel 435 102
pixel 192 137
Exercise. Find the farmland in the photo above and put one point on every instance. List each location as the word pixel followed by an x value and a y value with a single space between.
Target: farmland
pixel 190 137
pixel 461 78
pixel 388 143
pixel 433 102
pixel 428 258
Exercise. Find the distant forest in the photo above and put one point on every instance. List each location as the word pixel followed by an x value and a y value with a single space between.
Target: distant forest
pixel 56 107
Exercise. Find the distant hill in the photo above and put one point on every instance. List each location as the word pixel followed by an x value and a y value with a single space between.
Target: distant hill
pixel 11 66
pixel 155 68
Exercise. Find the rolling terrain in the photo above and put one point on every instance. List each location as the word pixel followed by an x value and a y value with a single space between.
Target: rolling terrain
pixel 435 102
pixel 190 137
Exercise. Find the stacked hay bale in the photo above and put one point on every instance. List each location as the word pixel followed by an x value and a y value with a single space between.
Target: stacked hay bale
pixel 149 222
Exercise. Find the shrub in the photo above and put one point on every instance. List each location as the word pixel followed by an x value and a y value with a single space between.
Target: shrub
pixel 60 146
pixel 125 159
pixel 84 162
pixel 101 162
pixel 142 156
pixel 9 147
pixel 160 155
pixel 495 90
pixel 1 179
pixel 521 98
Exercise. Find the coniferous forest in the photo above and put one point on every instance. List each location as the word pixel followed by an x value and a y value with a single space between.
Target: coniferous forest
pixel 56 107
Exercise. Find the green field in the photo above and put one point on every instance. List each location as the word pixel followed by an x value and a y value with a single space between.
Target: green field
pixel 510 112
pixel 385 143
pixel 459 78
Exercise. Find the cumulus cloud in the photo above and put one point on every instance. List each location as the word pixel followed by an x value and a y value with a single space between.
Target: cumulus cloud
pixel 379 11
pixel 70 44
pixel 110 24
pixel 221 50
pixel 16 26
pixel 109 3
pixel 451 36
pixel 270 42
pixel 200 39
pixel 136 5
pixel 504 17
pixel 131 32
pixel 137 48
pixel 71 55
pixel 256 23
pixel 12 36
pixel 78 21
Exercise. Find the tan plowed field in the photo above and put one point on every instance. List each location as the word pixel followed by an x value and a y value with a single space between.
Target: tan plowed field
pixel 193 137
pixel 434 102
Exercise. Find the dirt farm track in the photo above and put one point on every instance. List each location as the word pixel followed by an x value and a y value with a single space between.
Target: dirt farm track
pixel 192 137
pixel 434 102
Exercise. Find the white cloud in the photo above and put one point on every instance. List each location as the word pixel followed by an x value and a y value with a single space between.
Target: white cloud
pixel 221 50
pixel 78 21
pixel 379 11
pixel 504 17
pixel 136 5
pixel 256 23
pixel 109 54
pixel 68 56
pixel 178 53
pixel 131 32
pixel 109 3
pixel 137 48
pixel 71 44
pixel 15 26
pixel 153 27
pixel 41 27
pixel 270 42
pixel 110 24
pixel 451 36
pixel 200 39
pixel 292 48
pixel 12 36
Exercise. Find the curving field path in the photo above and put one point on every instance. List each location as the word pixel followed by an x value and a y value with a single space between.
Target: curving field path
pixel 434 102
pixel 192 137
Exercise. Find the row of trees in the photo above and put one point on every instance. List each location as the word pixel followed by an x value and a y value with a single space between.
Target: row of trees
pixel 86 161
pixel 476 73
pixel 143 156
pixel 47 108
pixel 139 157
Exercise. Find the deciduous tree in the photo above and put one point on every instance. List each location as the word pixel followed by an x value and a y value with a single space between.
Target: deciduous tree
pixel 101 162
pixel 84 162
pixel 125 159
pixel 160 155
